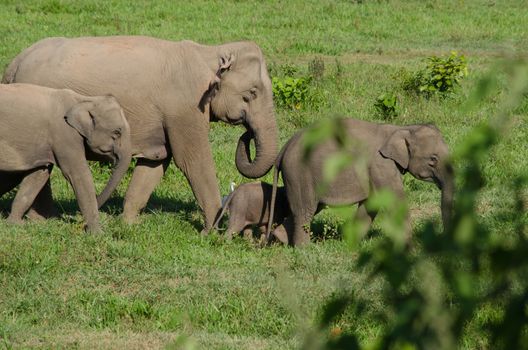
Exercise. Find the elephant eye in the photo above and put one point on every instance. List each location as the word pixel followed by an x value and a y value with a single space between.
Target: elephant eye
pixel 252 95
pixel 117 132
pixel 433 160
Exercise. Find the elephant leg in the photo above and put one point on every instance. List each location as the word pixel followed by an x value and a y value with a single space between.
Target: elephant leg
pixel 235 226
pixel 280 233
pixel 43 206
pixel 364 218
pixel 79 176
pixel 146 176
pixel 301 229
pixel 27 192
pixel 193 156
pixel 302 215
pixel 248 233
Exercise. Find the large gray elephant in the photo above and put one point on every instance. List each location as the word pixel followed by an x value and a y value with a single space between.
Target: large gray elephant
pixel 382 154
pixel 41 127
pixel 170 91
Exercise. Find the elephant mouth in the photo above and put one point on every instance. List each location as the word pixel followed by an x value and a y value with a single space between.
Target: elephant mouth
pixel 109 155
pixel 240 120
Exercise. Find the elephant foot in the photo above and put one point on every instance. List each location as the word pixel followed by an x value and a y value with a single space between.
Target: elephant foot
pixel 301 240
pixel 130 219
pixel 205 232
pixel 263 242
pixel 280 233
pixel 14 220
pixel 93 229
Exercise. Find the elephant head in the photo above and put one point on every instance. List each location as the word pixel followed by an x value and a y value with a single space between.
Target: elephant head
pixel 422 151
pixel 241 93
pixel 106 132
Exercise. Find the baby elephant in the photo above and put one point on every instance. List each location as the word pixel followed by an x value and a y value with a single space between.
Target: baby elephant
pixel 41 127
pixel 249 206
pixel 381 154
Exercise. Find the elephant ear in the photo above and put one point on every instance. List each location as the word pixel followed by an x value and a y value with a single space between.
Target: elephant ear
pixel 397 148
pixel 224 64
pixel 79 118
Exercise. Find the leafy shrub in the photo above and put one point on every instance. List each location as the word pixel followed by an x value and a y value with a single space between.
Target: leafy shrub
pixel 290 92
pixel 387 106
pixel 441 76
pixel 294 91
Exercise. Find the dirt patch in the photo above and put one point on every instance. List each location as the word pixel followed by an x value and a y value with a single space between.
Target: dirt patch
pixel 79 339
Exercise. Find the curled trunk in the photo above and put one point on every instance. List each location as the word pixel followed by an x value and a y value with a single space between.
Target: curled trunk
pixel 262 128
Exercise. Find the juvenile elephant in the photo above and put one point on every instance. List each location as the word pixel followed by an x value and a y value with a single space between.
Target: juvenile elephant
pixel 170 91
pixel 249 205
pixel 41 127
pixel 388 152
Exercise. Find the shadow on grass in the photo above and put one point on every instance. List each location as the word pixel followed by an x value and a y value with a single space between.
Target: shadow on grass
pixel 322 231
pixel 67 208
pixel 184 209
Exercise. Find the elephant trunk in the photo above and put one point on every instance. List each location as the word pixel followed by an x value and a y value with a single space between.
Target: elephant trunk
pixel 123 153
pixel 447 186
pixel 261 126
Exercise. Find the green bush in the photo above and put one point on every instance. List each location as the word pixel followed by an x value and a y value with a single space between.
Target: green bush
pixel 290 92
pixel 295 89
pixel 440 76
pixel 387 106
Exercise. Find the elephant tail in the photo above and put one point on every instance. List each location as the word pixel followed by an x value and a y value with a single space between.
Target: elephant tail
pixel 221 212
pixel 11 71
pixel 9 76
pixel 276 171
pixel 278 165
pixel 272 201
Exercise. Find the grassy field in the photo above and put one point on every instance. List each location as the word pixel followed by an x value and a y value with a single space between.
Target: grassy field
pixel 159 284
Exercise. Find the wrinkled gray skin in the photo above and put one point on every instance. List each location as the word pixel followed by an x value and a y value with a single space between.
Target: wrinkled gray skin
pixel 170 91
pixel 382 152
pixel 249 205
pixel 41 127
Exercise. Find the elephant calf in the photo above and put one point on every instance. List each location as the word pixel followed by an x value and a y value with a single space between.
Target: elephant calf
pixel 41 127
pixel 382 154
pixel 248 206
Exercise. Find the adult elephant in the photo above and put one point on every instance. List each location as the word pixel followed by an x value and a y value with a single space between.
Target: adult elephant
pixel 170 91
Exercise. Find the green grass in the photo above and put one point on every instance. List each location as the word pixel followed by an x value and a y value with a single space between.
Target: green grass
pixel 151 284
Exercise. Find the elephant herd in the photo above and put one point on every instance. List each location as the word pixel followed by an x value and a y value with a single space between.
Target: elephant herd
pixel 64 101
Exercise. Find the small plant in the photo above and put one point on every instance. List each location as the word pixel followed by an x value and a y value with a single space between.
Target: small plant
pixel 387 105
pixel 288 70
pixel 339 71
pixel 316 68
pixel 441 76
pixel 295 91
pixel 290 92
